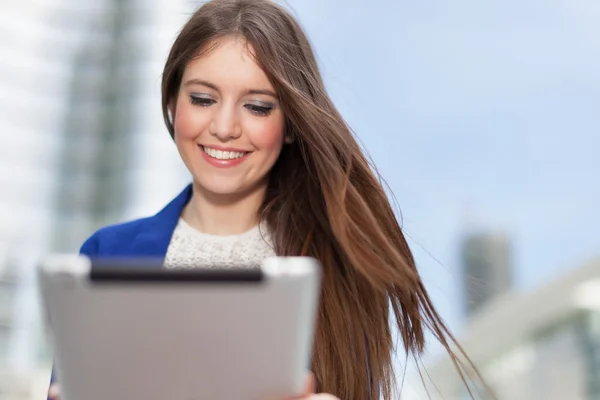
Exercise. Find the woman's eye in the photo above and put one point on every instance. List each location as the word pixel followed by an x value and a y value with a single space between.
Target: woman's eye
pixel 259 110
pixel 201 101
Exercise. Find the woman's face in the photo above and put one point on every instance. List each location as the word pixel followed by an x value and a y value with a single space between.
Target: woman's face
pixel 229 127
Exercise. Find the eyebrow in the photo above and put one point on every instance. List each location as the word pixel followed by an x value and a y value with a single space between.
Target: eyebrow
pixel 216 88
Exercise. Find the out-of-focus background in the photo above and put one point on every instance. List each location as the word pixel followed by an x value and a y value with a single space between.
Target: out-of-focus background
pixel 483 117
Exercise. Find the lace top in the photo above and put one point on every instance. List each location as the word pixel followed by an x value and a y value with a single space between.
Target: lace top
pixel 190 248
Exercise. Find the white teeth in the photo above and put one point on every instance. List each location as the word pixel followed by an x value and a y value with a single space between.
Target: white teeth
pixel 223 155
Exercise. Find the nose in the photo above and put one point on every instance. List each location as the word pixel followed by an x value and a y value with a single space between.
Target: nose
pixel 225 124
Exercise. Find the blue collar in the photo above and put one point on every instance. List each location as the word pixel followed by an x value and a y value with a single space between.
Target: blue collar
pixel 153 240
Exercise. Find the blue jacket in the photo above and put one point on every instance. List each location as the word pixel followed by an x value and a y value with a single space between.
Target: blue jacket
pixel 139 238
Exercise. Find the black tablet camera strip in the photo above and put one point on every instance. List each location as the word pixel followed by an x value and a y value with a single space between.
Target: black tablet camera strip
pixel 127 271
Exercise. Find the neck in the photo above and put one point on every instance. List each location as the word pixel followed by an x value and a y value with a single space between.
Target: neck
pixel 217 214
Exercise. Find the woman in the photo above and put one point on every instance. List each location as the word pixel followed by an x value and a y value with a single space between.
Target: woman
pixel 277 171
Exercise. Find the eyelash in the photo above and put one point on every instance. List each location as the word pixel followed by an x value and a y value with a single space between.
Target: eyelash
pixel 259 110
pixel 201 101
pixel 253 108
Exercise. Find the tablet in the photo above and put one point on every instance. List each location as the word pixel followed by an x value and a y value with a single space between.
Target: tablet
pixel 131 330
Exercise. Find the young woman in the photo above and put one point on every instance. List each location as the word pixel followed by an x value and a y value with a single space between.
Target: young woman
pixel 276 171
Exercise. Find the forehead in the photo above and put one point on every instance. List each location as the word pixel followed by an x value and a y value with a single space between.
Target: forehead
pixel 229 64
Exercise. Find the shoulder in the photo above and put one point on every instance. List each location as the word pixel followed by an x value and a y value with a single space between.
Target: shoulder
pixel 113 237
pixel 148 236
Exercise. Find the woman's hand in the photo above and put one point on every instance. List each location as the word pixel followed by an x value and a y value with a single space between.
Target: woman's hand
pixel 310 389
pixel 54 392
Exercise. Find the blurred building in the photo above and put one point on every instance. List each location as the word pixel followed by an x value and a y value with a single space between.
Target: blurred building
pixel 23 350
pixel 83 145
pixel 32 81
pixel 487 269
pixel 116 157
pixel 31 109
pixel 95 139
pixel 539 345
pixel 8 291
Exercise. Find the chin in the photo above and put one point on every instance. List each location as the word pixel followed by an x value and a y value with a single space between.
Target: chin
pixel 228 186
pixel 222 190
pixel 220 187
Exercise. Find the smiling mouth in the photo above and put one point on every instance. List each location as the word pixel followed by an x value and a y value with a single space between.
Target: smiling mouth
pixel 223 155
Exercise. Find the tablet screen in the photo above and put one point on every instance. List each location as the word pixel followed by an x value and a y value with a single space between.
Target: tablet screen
pixel 151 271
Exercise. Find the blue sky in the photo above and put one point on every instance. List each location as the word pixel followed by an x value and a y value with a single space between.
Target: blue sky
pixel 482 110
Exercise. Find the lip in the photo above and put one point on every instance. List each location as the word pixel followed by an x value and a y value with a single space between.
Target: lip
pixel 222 148
pixel 223 163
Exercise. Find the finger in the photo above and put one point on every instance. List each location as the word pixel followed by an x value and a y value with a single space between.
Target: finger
pixel 310 384
pixel 54 392
pixel 320 396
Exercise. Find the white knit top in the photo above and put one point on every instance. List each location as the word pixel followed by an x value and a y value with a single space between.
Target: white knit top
pixel 190 248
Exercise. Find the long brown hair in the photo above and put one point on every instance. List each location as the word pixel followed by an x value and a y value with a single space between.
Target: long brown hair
pixel 324 200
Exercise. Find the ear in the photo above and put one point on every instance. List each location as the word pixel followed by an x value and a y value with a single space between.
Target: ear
pixel 289 139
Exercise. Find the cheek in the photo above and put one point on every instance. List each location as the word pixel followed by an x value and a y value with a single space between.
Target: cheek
pixel 268 135
pixel 187 124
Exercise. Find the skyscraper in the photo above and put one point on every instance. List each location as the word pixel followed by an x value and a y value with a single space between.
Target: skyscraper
pixel 34 70
pixel 8 287
pixel 487 268
pixel 104 157
pixel 538 344
pixel 83 145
